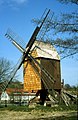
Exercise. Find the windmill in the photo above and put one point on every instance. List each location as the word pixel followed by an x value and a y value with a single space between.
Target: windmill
pixel 43 75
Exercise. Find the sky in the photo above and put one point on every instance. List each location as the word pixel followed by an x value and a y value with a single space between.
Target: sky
pixel 17 15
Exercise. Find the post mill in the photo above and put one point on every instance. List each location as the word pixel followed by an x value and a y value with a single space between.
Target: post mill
pixel 41 64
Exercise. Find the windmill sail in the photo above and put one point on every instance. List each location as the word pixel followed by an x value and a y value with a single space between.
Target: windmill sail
pixel 13 38
pixel 46 25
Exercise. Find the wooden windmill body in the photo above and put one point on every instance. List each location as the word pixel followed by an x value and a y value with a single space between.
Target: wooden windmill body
pixel 34 77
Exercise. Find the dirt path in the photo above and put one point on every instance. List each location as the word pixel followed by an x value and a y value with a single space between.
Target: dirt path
pixel 37 115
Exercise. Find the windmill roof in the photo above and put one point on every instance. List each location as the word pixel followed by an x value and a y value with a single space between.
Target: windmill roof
pixel 45 50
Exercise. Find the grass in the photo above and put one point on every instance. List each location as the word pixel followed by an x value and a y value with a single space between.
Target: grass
pixel 40 107
pixel 60 112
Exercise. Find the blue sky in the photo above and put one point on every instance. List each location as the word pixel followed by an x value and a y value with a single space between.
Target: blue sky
pixel 17 15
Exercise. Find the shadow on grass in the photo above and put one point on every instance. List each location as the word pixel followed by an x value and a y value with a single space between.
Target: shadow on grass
pixel 57 118
pixel 42 108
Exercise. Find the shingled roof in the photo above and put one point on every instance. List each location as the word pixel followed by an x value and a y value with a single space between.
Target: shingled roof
pixel 45 50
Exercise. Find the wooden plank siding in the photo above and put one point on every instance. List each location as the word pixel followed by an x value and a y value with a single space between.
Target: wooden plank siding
pixel 32 80
pixel 53 68
pixel 34 76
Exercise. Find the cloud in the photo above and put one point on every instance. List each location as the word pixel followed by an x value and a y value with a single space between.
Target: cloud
pixel 19 1
pixel 13 4
pixel 13 1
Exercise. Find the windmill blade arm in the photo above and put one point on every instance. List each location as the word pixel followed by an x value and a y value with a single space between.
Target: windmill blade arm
pixel 44 18
pixel 33 37
pixel 18 46
pixel 15 43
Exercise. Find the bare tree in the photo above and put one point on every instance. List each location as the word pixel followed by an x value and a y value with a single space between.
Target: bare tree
pixel 5 69
pixel 62 32
pixel 69 1
pixel 68 25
